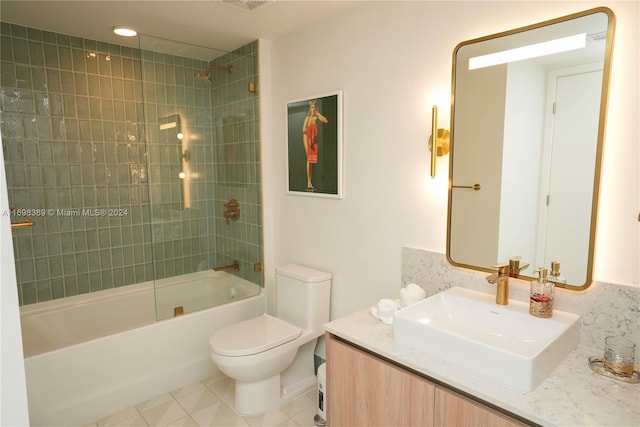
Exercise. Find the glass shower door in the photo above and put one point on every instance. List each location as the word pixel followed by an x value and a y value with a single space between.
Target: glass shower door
pixel 203 175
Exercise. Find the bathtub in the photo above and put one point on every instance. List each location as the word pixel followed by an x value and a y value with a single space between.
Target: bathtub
pixel 92 355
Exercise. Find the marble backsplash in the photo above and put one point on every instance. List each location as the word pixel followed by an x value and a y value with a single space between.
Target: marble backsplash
pixel 604 308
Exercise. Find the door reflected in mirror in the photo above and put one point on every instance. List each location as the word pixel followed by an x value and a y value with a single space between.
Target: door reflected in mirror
pixel 529 129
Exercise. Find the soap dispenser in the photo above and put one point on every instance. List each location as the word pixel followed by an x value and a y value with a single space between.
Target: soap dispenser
pixel 555 275
pixel 541 295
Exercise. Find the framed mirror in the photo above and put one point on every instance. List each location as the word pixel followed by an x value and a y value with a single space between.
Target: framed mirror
pixel 527 127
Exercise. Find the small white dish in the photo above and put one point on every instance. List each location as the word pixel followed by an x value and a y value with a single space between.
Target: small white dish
pixel 386 320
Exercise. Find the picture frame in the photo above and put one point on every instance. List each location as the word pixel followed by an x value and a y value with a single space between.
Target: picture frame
pixel 314 146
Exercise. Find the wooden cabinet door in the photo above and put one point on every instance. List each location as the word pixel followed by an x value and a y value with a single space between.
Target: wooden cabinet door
pixel 451 409
pixel 364 390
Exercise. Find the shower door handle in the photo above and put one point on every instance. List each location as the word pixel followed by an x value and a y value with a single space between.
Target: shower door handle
pixel 25 221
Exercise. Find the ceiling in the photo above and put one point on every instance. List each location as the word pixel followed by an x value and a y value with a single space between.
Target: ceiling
pixel 220 24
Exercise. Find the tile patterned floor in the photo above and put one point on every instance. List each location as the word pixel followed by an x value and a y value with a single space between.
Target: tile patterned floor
pixel 209 403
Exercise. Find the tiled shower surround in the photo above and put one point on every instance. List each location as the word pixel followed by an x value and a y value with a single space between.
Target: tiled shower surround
pixel 86 159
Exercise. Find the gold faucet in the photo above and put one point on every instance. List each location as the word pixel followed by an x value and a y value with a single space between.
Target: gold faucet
pixel 515 267
pixel 501 278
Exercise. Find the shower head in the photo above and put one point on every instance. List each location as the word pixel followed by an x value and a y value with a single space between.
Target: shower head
pixel 204 76
pixel 206 73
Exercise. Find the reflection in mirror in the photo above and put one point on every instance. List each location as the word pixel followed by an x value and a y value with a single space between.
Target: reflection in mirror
pixel 171 134
pixel 529 131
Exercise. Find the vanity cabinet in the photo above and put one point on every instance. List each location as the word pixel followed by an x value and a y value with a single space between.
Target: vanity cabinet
pixel 365 390
pixel 452 409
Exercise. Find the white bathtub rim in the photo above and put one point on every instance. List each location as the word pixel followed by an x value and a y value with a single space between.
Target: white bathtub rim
pixel 148 325
pixel 177 280
pixel 38 338
pixel 118 292
pixel 85 298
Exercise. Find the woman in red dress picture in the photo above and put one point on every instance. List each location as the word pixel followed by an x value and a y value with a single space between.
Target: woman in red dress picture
pixel 310 139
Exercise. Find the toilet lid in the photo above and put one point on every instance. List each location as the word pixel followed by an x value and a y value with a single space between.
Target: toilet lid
pixel 253 336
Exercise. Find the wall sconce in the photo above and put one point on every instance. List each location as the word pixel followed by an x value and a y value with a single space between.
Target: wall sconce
pixel 441 137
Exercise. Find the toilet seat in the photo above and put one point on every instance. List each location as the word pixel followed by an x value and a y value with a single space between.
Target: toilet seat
pixel 253 336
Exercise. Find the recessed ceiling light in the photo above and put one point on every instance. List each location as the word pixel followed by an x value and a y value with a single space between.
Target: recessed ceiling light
pixel 125 31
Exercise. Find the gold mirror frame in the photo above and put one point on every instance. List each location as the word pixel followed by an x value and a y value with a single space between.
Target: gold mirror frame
pixel 599 145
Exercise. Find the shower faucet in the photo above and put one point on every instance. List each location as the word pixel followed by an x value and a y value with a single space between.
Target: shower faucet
pixel 233 210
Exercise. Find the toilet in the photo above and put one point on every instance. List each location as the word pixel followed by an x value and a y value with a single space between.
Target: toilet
pixel 271 358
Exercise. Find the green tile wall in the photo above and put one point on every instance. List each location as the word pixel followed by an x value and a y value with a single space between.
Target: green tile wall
pixel 236 165
pixel 220 123
pixel 75 141
pixel 179 236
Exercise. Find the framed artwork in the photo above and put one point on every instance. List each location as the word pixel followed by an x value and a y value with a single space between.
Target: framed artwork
pixel 314 146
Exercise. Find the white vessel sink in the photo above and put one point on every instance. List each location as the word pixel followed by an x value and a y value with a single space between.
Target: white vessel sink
pixel 502 342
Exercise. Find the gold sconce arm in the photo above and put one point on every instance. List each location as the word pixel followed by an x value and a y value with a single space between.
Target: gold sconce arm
pixel 434 137
pixel 438 141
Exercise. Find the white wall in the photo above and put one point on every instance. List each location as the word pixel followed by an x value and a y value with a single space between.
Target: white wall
pixel 478 162
pixel 521 160
pixel 13 389
pixel 390 58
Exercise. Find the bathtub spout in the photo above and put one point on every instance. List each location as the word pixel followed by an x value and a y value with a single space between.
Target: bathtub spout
pixel 231 267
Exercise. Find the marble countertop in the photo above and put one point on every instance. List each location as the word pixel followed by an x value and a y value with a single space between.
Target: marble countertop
pixel 572 395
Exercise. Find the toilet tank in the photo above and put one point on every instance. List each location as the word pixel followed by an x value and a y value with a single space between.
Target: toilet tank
pixel 303 296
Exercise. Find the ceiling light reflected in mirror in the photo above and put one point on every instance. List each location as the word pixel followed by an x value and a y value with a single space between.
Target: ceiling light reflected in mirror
pixel 564 44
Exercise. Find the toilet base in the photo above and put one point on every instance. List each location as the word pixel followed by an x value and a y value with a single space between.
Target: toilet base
pixel 257 397
pixel 300 375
